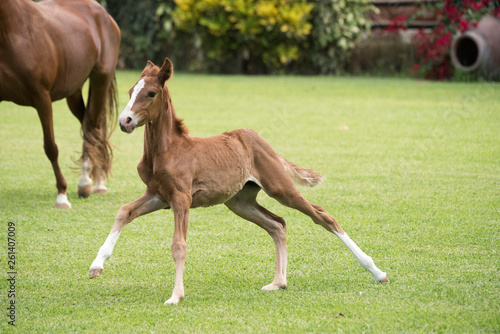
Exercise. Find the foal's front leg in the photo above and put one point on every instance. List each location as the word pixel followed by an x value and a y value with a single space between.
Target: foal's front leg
pixel 145 204
pixel 180 206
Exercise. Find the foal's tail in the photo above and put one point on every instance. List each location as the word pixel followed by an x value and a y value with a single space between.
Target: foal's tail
pixel 300 175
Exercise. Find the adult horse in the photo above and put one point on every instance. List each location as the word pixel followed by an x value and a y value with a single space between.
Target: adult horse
pixel 47 51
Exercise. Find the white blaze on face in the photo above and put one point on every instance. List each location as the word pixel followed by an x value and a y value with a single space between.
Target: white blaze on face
pixel 128 112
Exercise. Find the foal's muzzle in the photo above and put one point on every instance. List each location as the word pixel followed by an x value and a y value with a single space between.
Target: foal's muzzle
pixel 126 124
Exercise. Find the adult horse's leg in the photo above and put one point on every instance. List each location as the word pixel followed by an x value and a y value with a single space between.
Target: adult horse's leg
pixel 97 152
pixel 77 107
pixel 245 205
pixel 143 205
pixel 43 106
pixel 277 183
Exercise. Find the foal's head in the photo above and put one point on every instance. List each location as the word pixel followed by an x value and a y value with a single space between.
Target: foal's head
pixel 146 96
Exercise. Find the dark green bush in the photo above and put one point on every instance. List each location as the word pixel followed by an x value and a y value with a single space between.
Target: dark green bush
pixel 337 26
pixel 259 32
pixel 241 36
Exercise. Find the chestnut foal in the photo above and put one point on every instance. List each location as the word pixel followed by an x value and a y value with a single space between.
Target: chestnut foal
pixel 183 172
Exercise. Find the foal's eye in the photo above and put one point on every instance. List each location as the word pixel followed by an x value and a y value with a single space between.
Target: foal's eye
pixel 151 94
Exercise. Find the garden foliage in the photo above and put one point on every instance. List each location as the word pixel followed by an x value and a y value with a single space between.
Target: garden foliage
pixel 249 36
pixel 337 26
pixel 143 36
pixel 260 30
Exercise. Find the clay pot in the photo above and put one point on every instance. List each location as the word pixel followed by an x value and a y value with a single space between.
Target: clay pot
pixel 478 50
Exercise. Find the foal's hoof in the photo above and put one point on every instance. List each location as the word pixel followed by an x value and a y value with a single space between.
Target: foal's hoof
pixel 95 272
pixel 273 287
pixel 172 301
pixel 84 191
pixel 384 280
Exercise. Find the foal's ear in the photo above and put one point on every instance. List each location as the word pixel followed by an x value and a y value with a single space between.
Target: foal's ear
pixel 166 71
pixel 149 65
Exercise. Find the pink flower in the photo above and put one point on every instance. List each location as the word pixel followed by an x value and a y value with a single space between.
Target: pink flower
pixel 476 6
pixel 415 68
pixel 496 12
pixel 463 26
pixel 452 12
pixel 398 23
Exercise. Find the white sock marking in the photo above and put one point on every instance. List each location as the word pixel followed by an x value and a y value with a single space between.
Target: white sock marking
pixel 364 260
pixel 84 179
pixel 63 199
pixel 100 186
pixel 105 251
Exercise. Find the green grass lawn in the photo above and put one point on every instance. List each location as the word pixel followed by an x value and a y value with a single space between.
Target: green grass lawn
pixel 413 176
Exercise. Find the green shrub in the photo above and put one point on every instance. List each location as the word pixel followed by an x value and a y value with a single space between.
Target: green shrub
pixel 242 36
pixel 259 32
pixel 337 26
pixel 143 37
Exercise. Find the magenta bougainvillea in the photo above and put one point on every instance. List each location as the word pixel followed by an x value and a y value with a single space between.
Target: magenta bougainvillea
pixel 433 47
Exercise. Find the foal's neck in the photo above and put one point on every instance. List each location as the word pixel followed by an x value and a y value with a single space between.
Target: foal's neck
pixel 161 133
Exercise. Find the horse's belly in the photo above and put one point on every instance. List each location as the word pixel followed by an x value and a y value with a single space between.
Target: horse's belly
pixel 204 198
pixel 209 196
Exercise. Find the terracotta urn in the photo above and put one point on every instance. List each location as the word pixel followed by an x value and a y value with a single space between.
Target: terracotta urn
pixel 478 49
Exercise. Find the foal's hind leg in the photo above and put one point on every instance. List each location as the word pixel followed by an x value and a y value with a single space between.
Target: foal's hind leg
pixel 244 204
pixel 282 188
pixel 145 204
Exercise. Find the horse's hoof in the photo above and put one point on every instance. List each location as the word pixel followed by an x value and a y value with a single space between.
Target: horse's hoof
pixel 84 191
pixel 62 202
pixel 62 206
pixel 384 280
pixel 274 287
pixel 95 272
pixel 100 190
pixel 173 301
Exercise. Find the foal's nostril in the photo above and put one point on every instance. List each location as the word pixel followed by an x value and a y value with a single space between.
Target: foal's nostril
pixel 129 120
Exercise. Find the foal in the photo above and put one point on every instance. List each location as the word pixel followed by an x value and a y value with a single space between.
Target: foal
pixel 183 172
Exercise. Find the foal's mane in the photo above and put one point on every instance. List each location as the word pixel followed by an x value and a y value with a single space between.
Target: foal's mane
pixel 178 125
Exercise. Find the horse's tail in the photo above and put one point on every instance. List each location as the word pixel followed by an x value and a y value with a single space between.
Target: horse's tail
pixel 300 175
pixel 96 135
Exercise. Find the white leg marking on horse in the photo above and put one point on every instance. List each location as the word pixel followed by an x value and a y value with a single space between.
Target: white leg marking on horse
pixel 84 179
pixel 127 112
pixel 105 251
pixel 99 185
pixel 364 260
pixel 62 199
